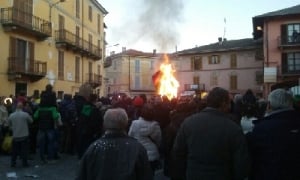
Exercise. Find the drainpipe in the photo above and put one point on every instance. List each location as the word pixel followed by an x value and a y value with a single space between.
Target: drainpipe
pixel 129 77
pixel 267 55
pixel 267 44
pixel 82 26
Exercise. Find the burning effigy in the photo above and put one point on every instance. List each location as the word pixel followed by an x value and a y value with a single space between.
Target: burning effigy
pixel 164 80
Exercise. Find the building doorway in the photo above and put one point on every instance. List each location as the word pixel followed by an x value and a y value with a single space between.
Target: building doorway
pixel 21 87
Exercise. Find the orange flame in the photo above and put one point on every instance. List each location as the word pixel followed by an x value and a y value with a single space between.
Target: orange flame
pixel 168 84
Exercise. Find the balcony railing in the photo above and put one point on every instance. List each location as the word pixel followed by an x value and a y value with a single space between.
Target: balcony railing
pixel 73 42
pixel 94 80
pixel 289 41
pixel 32 70
pixel 18 21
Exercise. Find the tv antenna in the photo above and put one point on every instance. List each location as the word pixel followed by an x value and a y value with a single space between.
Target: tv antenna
pixel 224 28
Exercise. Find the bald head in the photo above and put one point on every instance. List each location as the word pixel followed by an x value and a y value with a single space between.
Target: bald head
pixel 19 105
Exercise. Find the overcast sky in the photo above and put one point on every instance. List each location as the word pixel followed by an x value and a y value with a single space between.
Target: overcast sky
pixel 166 24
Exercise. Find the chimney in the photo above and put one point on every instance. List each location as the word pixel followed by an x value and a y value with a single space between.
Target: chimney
pixel 220 40
pixel 123 49
pixel 154 51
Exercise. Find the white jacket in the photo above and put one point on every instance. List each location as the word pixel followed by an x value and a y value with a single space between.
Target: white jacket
pixel 148 133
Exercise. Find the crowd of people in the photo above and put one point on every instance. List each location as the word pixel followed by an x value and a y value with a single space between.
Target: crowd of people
pixel 217 137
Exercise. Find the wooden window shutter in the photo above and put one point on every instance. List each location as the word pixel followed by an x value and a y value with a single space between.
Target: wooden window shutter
pixel 196 80
pixel 61 65
pixel 284 63
pixel 198 63
pixel 31 57
pixel 210 59
pixel 99 23
pixel 12 48
pixel 78 8
pixel 233 82
pixel 233 62
pixel 284 35
pixel 192 63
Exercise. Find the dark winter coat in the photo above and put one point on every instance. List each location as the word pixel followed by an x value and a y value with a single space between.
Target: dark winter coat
pixel 115 156
pixel 209 145
pixel 46 117
pixel 275 146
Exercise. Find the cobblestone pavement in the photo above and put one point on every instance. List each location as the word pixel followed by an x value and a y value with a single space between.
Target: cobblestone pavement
pixel 63 169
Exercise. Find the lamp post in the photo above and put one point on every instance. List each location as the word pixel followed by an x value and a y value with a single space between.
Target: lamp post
pixel 107 47
pixel 51 5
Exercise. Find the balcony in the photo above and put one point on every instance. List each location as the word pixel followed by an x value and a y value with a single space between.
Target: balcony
pixel 94 80
pixel 25 69
pixel 287 42
pixel 17 21
pixel 69 41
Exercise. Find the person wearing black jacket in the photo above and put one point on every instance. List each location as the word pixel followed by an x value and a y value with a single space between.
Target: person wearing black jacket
pixel 209 145
pixel 89 125
pixel 115 155
pixel 275 140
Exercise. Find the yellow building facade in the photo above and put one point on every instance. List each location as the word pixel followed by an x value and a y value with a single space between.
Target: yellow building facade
pixel 130 72
pixel 58 42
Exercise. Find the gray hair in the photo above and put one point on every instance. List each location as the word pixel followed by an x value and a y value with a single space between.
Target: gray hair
pixel 280 99
pixel 115 119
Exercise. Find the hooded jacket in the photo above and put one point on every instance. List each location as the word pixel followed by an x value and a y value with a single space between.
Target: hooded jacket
pixel 148 133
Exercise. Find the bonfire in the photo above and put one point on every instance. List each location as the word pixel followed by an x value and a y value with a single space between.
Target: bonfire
pixel 165 81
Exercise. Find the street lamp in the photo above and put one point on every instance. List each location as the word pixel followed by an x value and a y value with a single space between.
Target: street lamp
pixel 114 45
pixel 51 5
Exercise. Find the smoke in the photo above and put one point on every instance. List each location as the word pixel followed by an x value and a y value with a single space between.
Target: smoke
pixel 154 22
pixel 158 22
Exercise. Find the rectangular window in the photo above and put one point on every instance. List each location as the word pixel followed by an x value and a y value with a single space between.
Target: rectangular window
pixel 214 59
pixel 233 61
pixel 21 55
pixel 137 66
pixel 233 82
pixel 293 62
pixel 196 63
pixel 293 33
pixel 60 65
pixel 90 13
pixel 77 69
pixel 26 7
pixel 77 8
